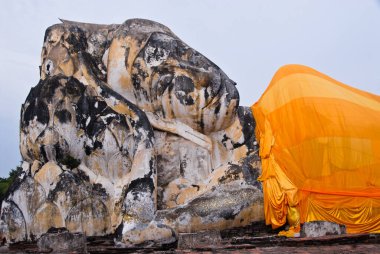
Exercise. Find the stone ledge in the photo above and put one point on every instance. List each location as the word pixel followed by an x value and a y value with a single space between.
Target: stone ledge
pixel 199 240
pixel 349 243
pixel 62 241
pixel 322 228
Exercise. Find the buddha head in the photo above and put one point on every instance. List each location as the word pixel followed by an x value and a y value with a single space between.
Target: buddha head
pixel 153 68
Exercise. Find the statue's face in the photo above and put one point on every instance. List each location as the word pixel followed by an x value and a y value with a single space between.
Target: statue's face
pixel 167 77
pixel 154 69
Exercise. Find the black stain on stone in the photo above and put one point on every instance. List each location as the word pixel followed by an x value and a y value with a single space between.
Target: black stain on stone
pixel 82 176
pixel 140 71
pixel 140 185
pixel 248 127
pixel 230 89
pixel 231 174
pixel 98 190
pixel 157 54
pixel 182 167
pixel 63 116
pixel 183 86
pixel 98 144
pixel 92 64
pixel 228 214
pixel 152 167
pixel 206 95
pixel 249 172
pixel 59 154
pixel 126 56
pixel 119 231
pixel 225 139
pixel 217 109
pixel 37 109
pixel 69 162
pixel 74 88
pixel 136 82
pixel 41 95
pixel 202 123
pixel 76 39
pixel 43 153
pixel 139 74
pixel 164 83
pixel 65 184
pixel 54 230
pixel 88 150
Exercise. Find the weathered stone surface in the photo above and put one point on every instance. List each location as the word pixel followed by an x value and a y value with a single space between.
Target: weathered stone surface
pixel 321 228
pixel 153 68
pixel 89 216
pixel 201 239
pixel 62 241
pixel 48 176
pixel 130 131
pixel 223 206
pixel 151 234
pixel 13 225
pixel 47 216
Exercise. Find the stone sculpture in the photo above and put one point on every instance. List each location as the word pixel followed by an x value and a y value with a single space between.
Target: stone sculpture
pixel 132 132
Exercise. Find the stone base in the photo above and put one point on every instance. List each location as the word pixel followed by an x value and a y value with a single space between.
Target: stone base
pixel 62 241
pixel 199 239
pixel 321 228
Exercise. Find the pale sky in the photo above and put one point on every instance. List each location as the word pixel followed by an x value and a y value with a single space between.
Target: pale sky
pixel 248 39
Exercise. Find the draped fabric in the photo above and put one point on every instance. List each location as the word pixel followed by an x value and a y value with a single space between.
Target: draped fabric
pixel 320 150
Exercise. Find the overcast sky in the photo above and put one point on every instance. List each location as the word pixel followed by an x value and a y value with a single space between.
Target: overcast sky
pixel 248 39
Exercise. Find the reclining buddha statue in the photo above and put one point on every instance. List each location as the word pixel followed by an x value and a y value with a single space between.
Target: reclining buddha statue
pixel 131 132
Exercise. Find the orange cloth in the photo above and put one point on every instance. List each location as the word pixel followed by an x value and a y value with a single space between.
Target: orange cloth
pixel 320 150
